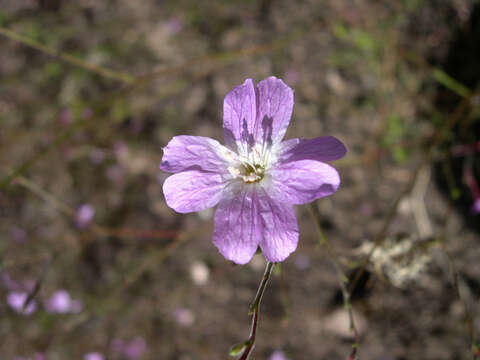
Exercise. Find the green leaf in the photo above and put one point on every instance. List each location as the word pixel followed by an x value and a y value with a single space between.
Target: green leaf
pixel 237 349
pixel 450 83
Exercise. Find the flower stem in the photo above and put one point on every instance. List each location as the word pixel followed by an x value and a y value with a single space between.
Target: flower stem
pixel 247 346
pixel 261 289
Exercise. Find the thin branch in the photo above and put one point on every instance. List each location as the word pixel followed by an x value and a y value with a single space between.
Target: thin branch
pixel 437 137
pixel 469 323
pixel 72 60
pixel 342 279
pixel 247 346
pixel 101 106
pixel 95 228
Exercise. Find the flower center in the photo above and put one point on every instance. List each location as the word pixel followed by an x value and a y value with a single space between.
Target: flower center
pixel 252 166
pixel 249 173
pixel 253 173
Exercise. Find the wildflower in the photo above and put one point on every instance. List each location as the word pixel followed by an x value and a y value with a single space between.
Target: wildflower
pixel 256 178
pixel 476 206
pixel 85 214
pixel 16 300
pixel 94 356
pixel 131 350
pixel 184 317
pixel 62 303
pixel 278 355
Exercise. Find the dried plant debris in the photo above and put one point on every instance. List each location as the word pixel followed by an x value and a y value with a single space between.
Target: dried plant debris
pixel 400 260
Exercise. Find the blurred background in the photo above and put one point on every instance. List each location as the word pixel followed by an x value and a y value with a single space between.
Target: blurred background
pixel 94 265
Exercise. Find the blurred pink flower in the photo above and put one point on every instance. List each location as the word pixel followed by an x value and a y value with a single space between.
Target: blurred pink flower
pixel 278 355
pixel 132 350
pixel 94 356
pixel 184 317
pixel 97 156
pixel 18 234
pixel 135 348
pixel 62 303
pixel 476 206
pixel 85 215
pixel 66 116
pixel 174 25
pixel 16 301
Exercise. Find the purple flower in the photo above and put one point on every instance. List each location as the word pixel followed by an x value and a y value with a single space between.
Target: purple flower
pixel 256 178
pixel 94 356
pixel 278 355
pixel 16 300
pixel 84 215
pixel 135 349
pixel 62 303
pixel 476 206
pixel 132 350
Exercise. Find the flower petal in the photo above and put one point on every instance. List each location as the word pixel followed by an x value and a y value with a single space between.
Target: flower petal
pixel 280 229
pixel 300 182
pixel 203 153
pixel 237 227
pixel 275 106
pixel 193 190
pixel 324 148
pixel 239 115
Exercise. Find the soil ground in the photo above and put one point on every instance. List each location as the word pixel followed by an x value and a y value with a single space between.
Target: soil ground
pixel 91 91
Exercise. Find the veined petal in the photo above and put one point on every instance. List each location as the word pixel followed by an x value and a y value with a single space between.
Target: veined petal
pixel 280 228
pixel 239 115
pixel 193 190
pixel 275 106
pixel 324 148
pixel 237 227
pixel 300 182
pixel 183 152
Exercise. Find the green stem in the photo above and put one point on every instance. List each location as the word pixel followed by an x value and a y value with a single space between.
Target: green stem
pixel 245 348
pixel 261 289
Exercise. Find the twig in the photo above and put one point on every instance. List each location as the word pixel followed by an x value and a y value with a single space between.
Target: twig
pixel 94 227
pixel 342 279
pixel 94 68
pixel 247 346
pixel 468 314
pixel 38 283
pixel 436 139
pixel 219 59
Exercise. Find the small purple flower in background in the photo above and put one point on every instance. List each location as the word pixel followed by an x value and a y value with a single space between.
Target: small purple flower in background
pixel 97 156
pixel 94 356
pixel 278 355
pixel 16 300
pixel 476 206
pixel 135 349
pixel 62 303
pixel 174 25
pixel 184 317
pixel 85 215
pixel 256 178
pixel 19 234
pixel 132 350
pixel 66 116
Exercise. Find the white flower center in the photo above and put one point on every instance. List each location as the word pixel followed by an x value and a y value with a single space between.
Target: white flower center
pixel 252 166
